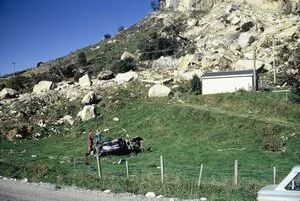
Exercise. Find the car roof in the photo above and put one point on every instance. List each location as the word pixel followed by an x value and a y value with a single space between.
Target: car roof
pixel 296 168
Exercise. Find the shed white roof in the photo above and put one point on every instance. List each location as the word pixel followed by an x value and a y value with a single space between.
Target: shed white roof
pixel 228 73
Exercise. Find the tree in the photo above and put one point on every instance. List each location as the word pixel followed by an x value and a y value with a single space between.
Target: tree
pixel 107 36
pixel 81 58
pixel 196 84
pixel 39 64
pixel 155 5
pixel 121 28
pixel 122 66
pixel 158 46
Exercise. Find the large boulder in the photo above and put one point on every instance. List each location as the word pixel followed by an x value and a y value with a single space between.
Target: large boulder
pixel 245 39
pixel 189 74
pixel 127 55
pixel 163 62
pixel 43 86
pixel 87 113
pixel 126 77
pixel 85 81
pixel 89 98
pixel 8 93
pixel 67 118
pixel 244 64
pixel 159 90
pixel 186 61
pixel 105 75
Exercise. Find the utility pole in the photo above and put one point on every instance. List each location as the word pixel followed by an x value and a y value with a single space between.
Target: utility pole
pixel 14 63
pixel 274 67
pixel 254 70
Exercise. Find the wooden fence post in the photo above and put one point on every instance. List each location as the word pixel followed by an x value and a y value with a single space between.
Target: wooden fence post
pixel 74 164
pixel 99 167
pixel 200 175
pixel 235 172
pixel 162 168
pixel 274 175
pixel 127 169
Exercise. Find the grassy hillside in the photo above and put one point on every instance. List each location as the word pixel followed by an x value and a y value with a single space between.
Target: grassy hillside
pixel 259 130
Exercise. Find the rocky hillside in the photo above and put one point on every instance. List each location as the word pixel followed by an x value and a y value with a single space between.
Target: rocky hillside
pixel 168 46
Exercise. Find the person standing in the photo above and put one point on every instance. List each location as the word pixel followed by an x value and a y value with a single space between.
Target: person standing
pixel 98 137
pixel 90 141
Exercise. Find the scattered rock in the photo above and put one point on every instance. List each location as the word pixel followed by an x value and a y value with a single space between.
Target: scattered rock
pixel 69 119
pixel 127 55
pixel 8 93
pixel 87 113
pixel 150 195
pixel 43 86
pixel 163 63
pixel 85 81
pixel 105 75
pixel 245 39
pixel 89 98
pixel 24 180
pixel 107 191
pixel 42 124
pixel 115 119
pixel 126 77
pixel 159 90
pixel 159 197
pixel 186 61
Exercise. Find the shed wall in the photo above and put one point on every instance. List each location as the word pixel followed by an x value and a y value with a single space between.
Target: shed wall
pixel 226 84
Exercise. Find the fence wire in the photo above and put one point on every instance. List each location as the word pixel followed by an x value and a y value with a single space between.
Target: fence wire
pixel 214 174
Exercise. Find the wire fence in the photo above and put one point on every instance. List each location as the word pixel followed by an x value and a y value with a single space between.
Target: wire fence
pixel 230 173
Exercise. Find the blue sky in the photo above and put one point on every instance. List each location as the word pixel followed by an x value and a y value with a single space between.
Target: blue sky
pixel 41 30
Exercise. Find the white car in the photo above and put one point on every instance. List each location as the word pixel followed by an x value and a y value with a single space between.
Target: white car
pixel 287 190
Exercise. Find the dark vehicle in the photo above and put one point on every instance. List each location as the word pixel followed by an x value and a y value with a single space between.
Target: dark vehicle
pixel 119 146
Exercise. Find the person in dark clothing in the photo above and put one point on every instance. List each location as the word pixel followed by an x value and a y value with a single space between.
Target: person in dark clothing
pixel 90 141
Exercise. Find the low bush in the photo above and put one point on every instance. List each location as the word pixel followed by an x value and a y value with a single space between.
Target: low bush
pixel 123 66
pixel 81 58
pixel 19 83
pixel 157 47
pixel 196 84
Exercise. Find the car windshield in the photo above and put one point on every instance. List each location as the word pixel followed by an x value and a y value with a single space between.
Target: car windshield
pixel 294 185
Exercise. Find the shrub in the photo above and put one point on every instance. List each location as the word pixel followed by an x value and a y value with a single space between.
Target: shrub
pixel 39 64
pixel 121 28
pixel 68 71
pixel 77 76
pixel 123 66
pixel 155 5
pixel 107 36
pixel 81 58
pixel 157 47
pixel 46 76
pixel 19 83
pixel 196 84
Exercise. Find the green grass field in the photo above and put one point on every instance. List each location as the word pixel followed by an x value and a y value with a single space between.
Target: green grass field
pixel 187 130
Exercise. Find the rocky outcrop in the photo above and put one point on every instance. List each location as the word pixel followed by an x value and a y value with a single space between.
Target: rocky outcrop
pixel 290 6
pixel 185 5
